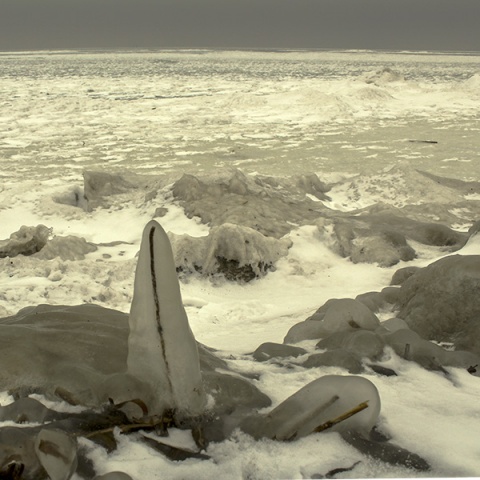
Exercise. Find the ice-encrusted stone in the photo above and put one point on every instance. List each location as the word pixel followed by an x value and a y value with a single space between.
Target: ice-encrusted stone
pixel 334 316
pixel 237 252
pixel 441 302
pixel 320 401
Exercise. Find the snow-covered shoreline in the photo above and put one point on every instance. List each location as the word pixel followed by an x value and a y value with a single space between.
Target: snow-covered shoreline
pixel 254 130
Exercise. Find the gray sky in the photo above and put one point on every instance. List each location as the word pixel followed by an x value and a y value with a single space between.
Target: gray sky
pixel 362 24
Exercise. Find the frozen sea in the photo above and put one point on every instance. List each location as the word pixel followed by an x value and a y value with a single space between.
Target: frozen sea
pixel 392 131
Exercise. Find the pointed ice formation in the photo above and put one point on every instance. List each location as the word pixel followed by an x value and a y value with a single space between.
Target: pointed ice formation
pixel 162 351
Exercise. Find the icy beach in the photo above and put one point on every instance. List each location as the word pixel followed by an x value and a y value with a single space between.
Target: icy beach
pixel 284 180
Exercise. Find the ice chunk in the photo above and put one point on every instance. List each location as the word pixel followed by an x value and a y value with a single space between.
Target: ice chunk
pixel 57 452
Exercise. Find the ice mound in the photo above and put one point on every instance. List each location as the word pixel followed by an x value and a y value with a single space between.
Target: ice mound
pixel 403 187
pixel 35 241
pixel 473 83
pixel 382 76
pixel 26 241
pixel 237 252
pixel 270 206
pixel 100 186
pixel 66 248
pixel 440 302
pixel 381 236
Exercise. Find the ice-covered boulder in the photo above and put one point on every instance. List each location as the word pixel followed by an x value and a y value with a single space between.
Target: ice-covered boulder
pixel 237 252
pixel 335 315
pixel 377 300
pixel 337 357
pixel 362 343
pixel 403 274
pixel 26 241
pixel 409 345
pixel 319 402
pixel 441 302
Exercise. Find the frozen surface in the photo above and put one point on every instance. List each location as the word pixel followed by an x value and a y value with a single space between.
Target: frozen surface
pixel 393 136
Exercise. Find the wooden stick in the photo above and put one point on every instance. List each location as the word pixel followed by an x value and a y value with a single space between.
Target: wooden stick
pixel 342 417
pixel 309 415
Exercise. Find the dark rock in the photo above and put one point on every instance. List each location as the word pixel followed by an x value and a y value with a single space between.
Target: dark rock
pixel 335 358
pixel 441 302
pixel 372 300
pixel 160 212
pixel 386 452
pixel 394 324
pixel 381 370
pixel 269 350
pixel 362 343
pixel 377 300
pixel 231 391
pixel 403 274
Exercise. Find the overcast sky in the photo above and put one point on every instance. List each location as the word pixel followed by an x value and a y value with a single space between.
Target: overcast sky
pixel 362 24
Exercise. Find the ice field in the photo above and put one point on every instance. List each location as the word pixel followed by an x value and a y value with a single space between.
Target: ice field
pixel 284 179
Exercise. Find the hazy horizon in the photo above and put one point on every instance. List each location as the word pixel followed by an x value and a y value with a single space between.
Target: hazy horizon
pixel 412 25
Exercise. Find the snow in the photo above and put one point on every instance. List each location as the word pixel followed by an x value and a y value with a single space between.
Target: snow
pixel 273 115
